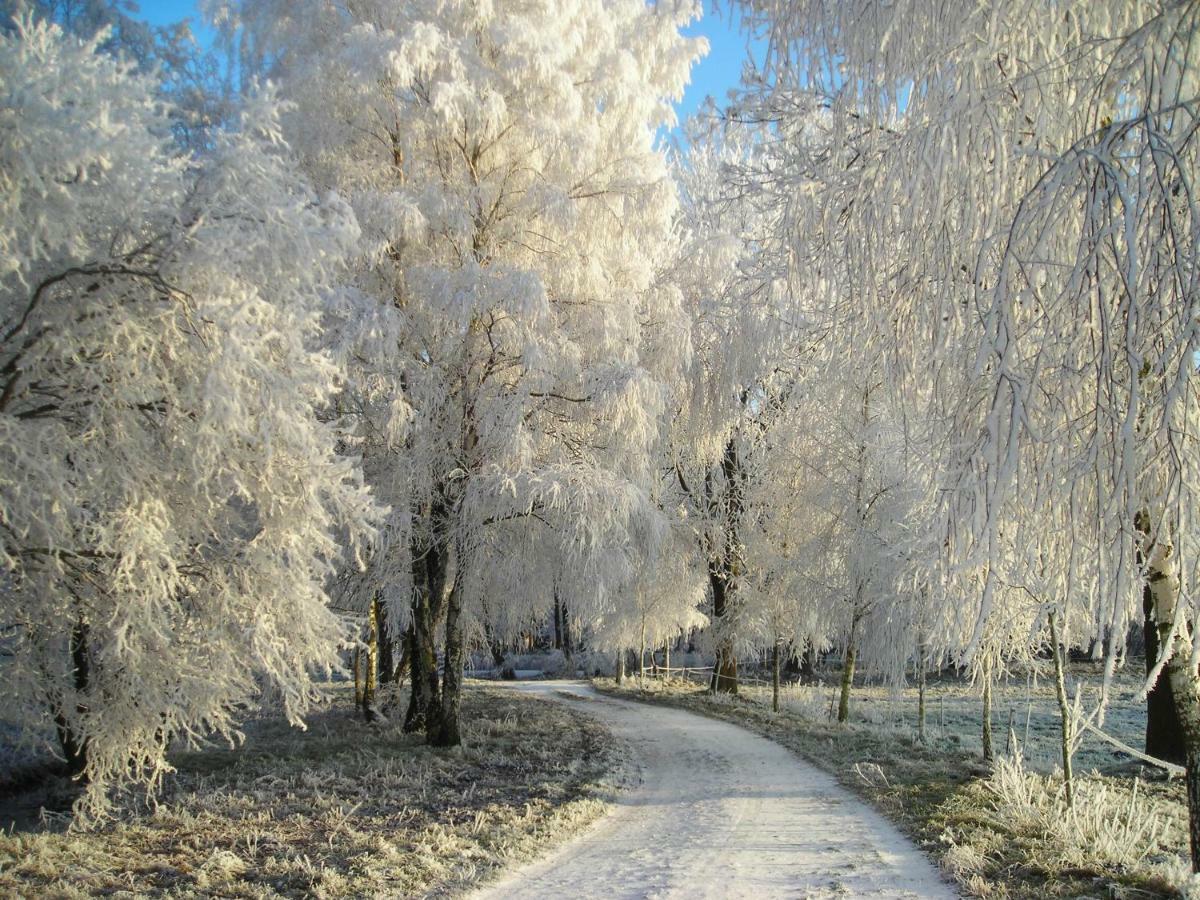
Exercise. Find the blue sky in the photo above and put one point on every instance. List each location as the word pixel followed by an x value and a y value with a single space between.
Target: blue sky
pixel 714 76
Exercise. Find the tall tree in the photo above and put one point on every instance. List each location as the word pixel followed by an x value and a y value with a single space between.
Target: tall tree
pixel 1032 241
pixel 502 161
pixel 172 501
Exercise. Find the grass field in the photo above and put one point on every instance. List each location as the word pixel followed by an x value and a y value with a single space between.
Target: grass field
pixel 954 711
pixel 344 809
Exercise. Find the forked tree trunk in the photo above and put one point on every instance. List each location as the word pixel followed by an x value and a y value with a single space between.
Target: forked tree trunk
pixel 443 729
pixel 74 747
pixel 429 576
pixel 1064 706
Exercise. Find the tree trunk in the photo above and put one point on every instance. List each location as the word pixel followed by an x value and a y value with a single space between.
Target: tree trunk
pixel 404 651
pixel 1186 692
pixel 74 747
pixel 847 681
pixel 725 673
pixel 1164 734
pixel 371 660
pixel 1163 585
pixel 921 665
pixel 988 752
pixel 558 628
pixel 429 576
pixel 724 568
pixel 568 644
pixel 667 659
pixel 848 662
pixel 724 679
pixel 620 666
pixel 808 664
pixel 1064 707
pixel 387 644
pixel 642 657
pixel 775 677
pixel 423 697
pixel 444 730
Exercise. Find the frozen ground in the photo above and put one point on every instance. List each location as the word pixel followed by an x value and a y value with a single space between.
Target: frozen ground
pixel 1003 835
pixel 341 810
pixel 720 812
pixel 954 712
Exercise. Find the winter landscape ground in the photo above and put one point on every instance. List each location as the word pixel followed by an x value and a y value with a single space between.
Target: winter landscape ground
pixel 826 449
pixel 344 809
pixel 561 793
pixel 997 831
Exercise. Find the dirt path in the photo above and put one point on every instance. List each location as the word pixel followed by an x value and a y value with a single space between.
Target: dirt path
pixel 720 812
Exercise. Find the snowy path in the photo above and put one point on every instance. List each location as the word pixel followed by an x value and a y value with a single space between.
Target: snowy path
pixel 720 812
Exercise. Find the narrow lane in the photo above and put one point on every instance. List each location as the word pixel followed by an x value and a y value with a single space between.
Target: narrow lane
pixel 720 812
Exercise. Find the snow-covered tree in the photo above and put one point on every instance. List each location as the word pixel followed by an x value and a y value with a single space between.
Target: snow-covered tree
pixel 171 504
pixel 189 76
pixel 515 210
pixel 1012 190
pixel 730 272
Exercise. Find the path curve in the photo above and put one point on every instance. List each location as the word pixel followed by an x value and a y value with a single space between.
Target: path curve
pixel 719 812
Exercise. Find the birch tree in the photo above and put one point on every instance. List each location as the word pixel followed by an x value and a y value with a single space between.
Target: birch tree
pixel 171 502
pixel 515 209
pixel 1021 203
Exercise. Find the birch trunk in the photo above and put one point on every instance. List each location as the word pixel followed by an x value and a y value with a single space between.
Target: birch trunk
pixel 1185 686
pixel 1064 706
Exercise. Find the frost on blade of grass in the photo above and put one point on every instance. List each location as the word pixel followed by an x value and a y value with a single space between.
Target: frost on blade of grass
pixel 1110 827
pixel 342 810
